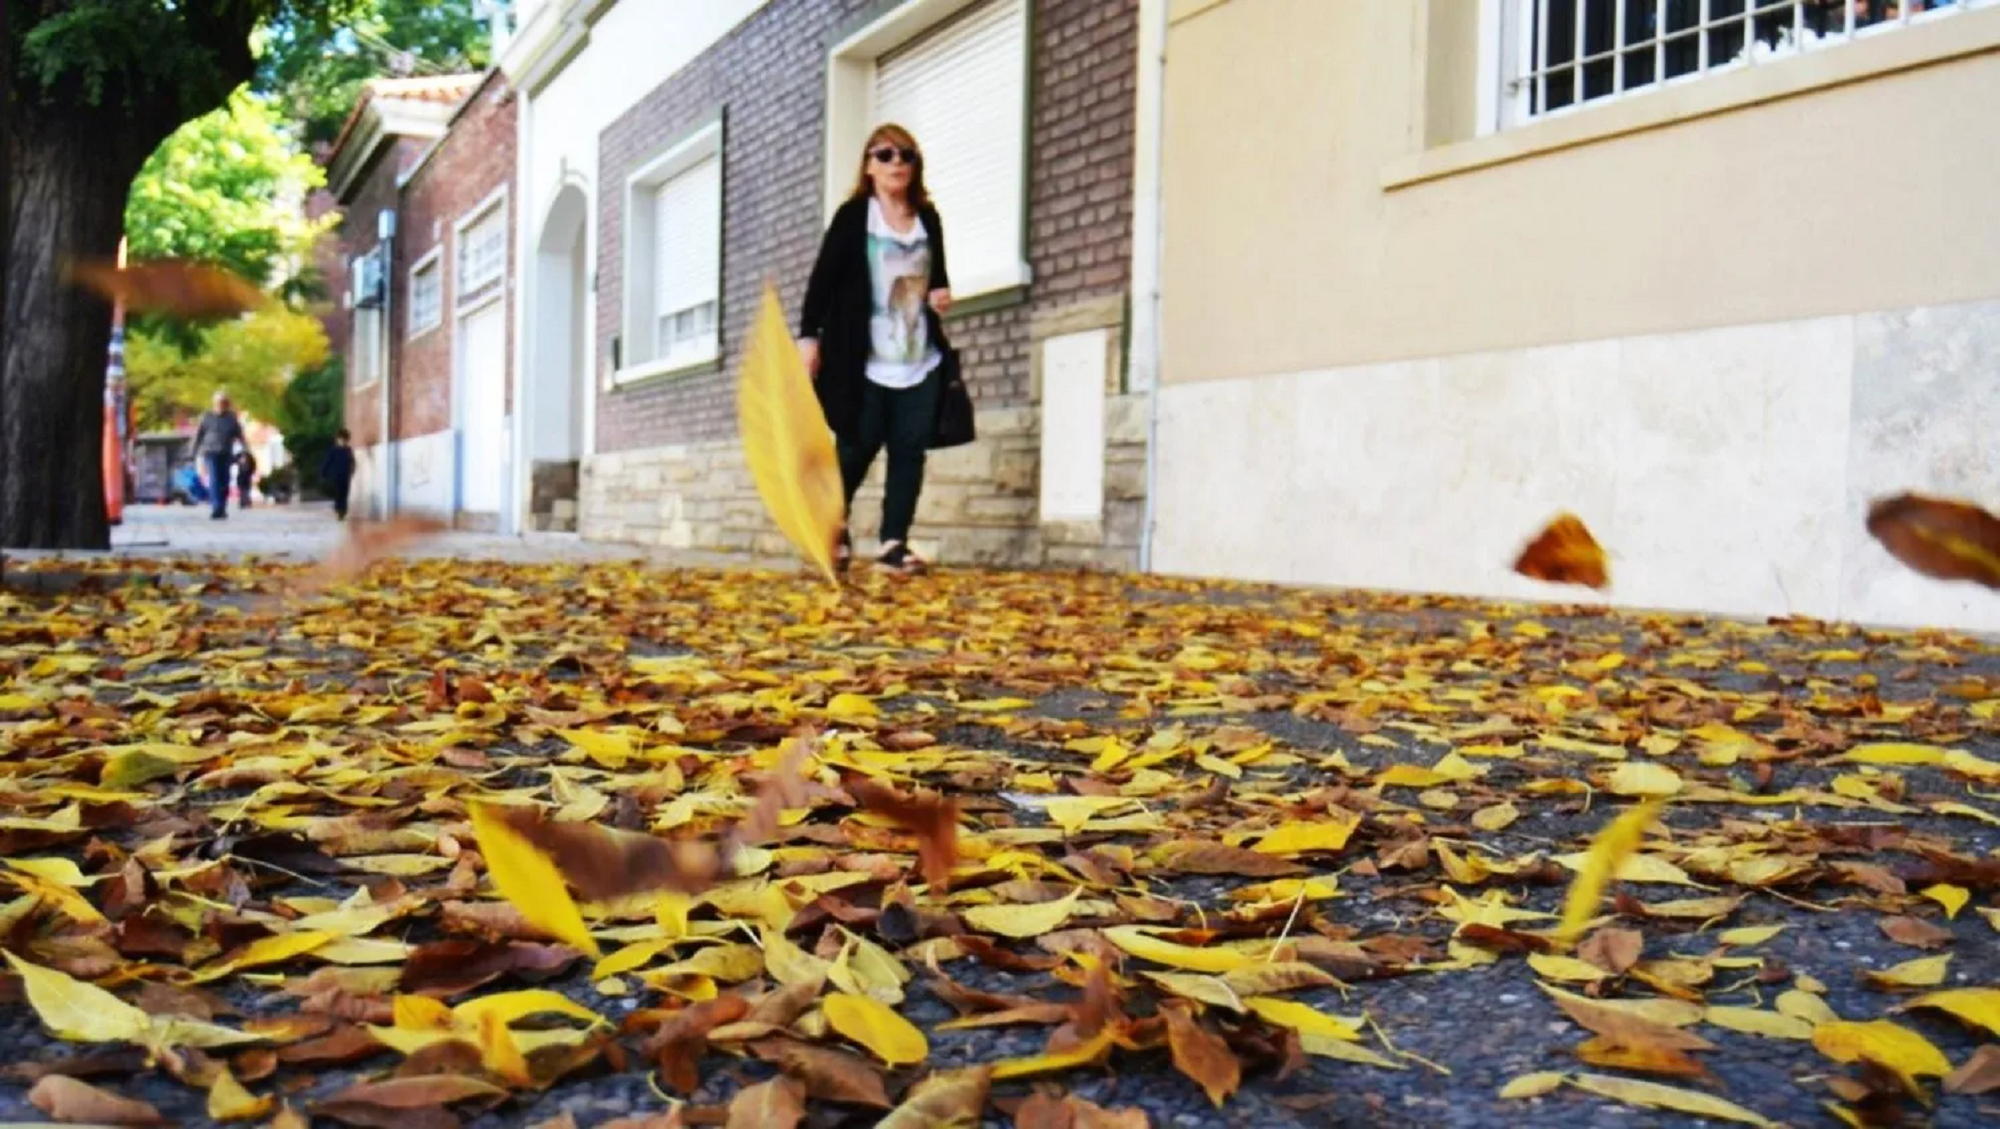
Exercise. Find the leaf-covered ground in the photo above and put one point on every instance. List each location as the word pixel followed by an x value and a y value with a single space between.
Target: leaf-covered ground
pixel 1223 855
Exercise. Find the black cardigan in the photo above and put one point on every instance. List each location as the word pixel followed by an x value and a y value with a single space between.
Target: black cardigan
pixel 839 303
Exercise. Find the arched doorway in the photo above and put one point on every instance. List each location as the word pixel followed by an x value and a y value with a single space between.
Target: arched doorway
pixel 557 369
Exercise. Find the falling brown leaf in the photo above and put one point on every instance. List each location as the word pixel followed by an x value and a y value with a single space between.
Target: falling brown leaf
pixel 1940 538
pixel 366 544
pixel 828 1074
pixel 1565 553
pixel 776 1103
pixel 1979 1074
pixel 946 1098
pixel 1202 1055
pixel 1613 950
pixel 67 1099
pixel 932 818
pixel 1916 932
pixel 172 287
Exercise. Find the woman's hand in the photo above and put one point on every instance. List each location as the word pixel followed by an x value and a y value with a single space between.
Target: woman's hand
pixel 941 302
pixel 809 353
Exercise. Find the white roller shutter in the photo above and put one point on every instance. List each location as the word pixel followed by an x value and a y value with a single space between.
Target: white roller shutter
pixel 961 88
pixel 687 238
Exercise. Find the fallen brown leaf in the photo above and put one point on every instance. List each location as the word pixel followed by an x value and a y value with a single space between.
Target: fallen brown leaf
pixel 67 1099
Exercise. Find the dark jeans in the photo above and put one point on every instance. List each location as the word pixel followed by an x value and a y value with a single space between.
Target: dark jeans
pixel 902 419
pixel 221 468
pixel 339 488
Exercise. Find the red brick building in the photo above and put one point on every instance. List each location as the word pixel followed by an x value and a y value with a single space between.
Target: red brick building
pixel 723 173
pixel 424 171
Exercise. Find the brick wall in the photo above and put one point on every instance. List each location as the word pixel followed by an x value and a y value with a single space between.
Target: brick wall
pixel 470 162
pixel 374 190
pixel 769 78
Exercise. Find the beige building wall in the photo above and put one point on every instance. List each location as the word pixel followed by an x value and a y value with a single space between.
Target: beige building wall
pixel 1713 319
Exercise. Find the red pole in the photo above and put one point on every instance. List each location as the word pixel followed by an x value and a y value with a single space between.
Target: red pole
pixel 114 411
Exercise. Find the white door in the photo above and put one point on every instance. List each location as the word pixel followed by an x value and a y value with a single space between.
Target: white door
pixel 482 412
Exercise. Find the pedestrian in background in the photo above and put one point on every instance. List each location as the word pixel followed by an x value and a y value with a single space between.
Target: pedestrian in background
pixel 871 336
pixel 216 439
pixel 246 478
pixel 336 470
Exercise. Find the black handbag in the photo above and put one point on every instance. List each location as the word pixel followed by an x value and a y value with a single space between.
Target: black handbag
pixel 954 405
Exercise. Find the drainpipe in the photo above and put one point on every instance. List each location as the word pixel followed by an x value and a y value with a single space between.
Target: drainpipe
pixel 1148 204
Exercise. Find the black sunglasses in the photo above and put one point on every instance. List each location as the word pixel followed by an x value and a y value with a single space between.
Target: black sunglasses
pixel 887 155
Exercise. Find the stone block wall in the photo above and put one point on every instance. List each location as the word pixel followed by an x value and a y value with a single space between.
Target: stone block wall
pixel 979 503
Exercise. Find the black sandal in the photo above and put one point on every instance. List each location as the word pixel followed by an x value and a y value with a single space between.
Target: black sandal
pixel 900 558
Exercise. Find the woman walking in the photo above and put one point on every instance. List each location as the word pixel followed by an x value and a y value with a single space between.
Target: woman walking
pixel 871 335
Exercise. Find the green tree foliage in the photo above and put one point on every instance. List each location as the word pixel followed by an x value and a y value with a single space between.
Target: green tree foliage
pixel 312 409
pixel 319 78
pixel 253 358
pixel 228 188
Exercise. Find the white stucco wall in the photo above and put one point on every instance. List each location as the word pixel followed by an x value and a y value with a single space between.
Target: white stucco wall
pixel 634 46
pixel 1724 470
pixel 427 473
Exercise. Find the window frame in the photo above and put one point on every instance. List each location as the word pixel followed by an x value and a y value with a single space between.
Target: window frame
pixel 638 315
pixel 467 299
pixel 1509 32
pixel 369 345
pixel 851 72
pixel 432 261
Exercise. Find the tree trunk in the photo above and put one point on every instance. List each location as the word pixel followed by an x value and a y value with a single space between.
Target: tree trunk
pixel 71 172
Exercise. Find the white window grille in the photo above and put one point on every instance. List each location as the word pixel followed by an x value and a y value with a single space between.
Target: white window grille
pixel 426 296
pixel 1565 54
pixel 482 256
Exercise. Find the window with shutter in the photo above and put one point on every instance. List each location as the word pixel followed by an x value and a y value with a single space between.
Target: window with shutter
pixel 482 257
pixel 961 89
pixel 687 246
pixel 670 300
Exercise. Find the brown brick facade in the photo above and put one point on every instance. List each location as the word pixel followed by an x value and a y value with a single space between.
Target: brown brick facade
pixel 374 190
pixel 768 80
pixel 469 164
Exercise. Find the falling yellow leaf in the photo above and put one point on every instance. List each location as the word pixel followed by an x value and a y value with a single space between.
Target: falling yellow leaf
pixel 1643 778
pixel 1977 1006
pixel 1565 968
pixel 785 438
pixel 1210 990
pixel 1924 972
pixel 876 1026
pixel 79 1012
pixel 1299 837
pixel 1145 946
pixel 1495 818
pixel 1301 1018
pixel 1024 921
pixel 1083 1053
pixel 1806 1006
pixel 1652 1095
pixel 229 1101
pixel 1952 898
pixel 1895 753
pixel 1754 1021
pixel 1612 846
pixel 1878 1040
pixel 275 949
pixel 512 1007
pixel 1747 935
pixel 1533 1085
pixel 528 880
